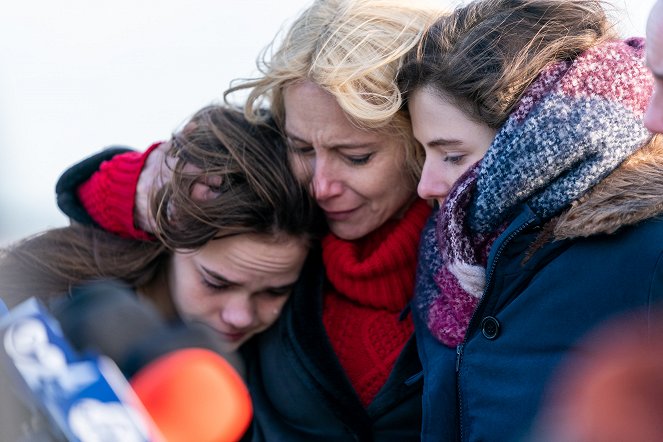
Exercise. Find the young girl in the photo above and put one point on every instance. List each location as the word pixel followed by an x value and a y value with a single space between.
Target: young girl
pixel 232 228
pixel 549 186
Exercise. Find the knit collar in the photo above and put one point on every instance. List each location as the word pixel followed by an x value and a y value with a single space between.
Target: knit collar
pixel 377 271
pixel 574 125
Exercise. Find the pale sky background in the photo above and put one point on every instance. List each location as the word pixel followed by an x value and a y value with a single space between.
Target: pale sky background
pixel 78 75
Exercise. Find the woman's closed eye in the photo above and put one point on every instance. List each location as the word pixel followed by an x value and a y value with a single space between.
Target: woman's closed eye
pixel 299 147
pixel 302 150
pixel 359 160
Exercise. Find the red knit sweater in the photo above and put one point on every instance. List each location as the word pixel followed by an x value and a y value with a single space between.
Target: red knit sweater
pixel 109 195
pixel 371 282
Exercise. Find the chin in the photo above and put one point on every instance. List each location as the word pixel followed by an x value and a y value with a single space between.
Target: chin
pixel 231 347
pixel 349 232
pixel 349 235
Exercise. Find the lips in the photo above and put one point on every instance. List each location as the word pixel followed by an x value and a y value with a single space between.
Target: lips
pixel 339 215
pixel 232 337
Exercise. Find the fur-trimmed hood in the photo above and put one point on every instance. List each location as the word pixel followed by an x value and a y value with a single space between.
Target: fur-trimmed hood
pixel 631 193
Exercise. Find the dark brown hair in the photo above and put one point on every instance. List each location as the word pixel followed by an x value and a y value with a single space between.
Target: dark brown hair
pixel 258 194
pixel 484 55
pixel 256 190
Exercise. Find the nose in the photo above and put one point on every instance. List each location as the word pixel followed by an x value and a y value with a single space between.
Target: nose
pixel 239 312
pixel 432 185
pixel 325 183
pixel 653 119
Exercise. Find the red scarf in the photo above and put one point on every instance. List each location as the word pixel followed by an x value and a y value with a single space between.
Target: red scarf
pixel 371 280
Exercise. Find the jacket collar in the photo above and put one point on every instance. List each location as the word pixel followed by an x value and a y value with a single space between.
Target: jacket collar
pixel 631 193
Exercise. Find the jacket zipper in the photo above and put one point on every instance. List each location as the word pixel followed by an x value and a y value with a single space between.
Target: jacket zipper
pixel 460 347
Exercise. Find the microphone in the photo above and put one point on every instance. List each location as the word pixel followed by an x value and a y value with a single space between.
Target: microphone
pixel 75 397
pixel 108 318
pixel 184 389
pixel 194 395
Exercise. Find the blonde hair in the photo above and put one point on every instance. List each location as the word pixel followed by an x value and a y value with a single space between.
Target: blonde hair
pixel 352 49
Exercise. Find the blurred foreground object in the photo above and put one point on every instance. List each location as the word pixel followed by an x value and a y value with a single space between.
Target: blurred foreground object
pixel 612 389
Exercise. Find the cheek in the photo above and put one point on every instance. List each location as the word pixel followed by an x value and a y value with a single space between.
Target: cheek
pixel 397 170
pixel 269 309
pixel 395 183
pixel 178 286
pixel 380 181
pixel 456 173
pixel 188 302
pixel 188 296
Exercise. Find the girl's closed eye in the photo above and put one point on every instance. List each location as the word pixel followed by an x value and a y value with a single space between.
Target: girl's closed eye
pixel 214 286
pixel 454 159
pixel 278 292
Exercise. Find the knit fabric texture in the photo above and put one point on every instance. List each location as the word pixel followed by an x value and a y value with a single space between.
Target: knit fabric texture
pixel 574 125
pixel 109 195
pixel 460 265
pixel 371 281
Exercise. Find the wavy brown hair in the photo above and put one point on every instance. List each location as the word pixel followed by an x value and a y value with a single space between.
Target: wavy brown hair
pixel 258 194
pixel 484 55
pixel 255 190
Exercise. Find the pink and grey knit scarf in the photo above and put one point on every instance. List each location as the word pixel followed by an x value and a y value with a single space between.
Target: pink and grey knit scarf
pixel 462 275
pixel 575 124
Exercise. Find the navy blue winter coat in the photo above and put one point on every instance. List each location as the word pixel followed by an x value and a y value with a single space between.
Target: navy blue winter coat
pixel 536 308
pixel 300 391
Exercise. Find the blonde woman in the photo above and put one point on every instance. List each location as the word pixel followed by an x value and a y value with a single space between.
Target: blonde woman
pixel 341 363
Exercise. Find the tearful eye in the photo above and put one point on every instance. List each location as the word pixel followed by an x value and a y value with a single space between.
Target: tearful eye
pixel 359 159
pixel 302 150
pixel 299 149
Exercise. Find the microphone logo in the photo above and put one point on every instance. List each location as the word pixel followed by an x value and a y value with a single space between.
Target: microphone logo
pixel 43 364
pixel 86 397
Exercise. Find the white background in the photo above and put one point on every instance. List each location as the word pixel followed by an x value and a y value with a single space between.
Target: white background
pixel 77 75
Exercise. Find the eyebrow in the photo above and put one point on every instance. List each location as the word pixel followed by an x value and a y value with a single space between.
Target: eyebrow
pixel 333 146
pixel 217 276
pixel 443 142
pixel 223 279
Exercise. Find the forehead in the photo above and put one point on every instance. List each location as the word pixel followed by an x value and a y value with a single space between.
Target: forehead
pixel 313 113
pixel 429 110
pixel 251 258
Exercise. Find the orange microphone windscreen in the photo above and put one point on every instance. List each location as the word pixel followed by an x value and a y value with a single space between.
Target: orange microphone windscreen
pixel 194 395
